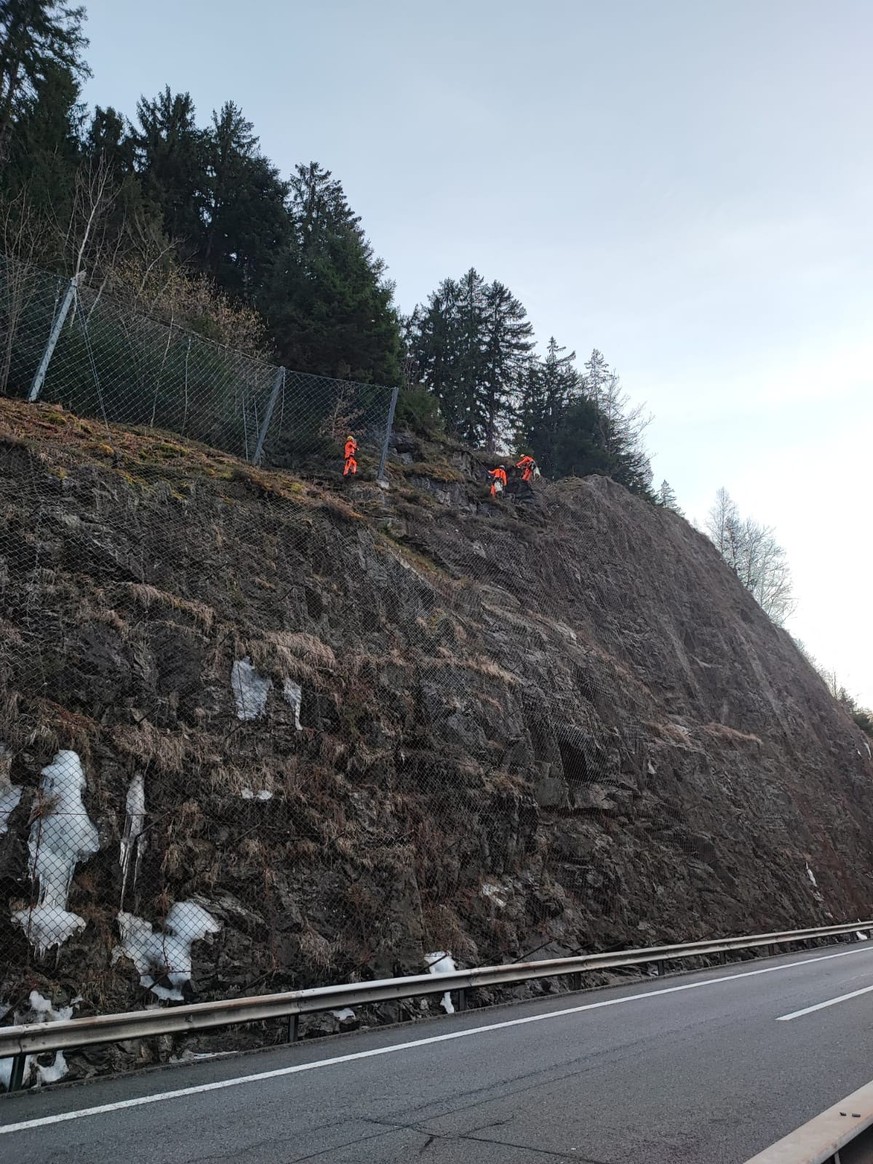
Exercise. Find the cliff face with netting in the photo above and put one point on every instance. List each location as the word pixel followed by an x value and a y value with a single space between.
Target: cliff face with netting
pixel 260 733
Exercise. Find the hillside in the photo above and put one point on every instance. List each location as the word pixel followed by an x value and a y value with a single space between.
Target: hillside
pixel 325 732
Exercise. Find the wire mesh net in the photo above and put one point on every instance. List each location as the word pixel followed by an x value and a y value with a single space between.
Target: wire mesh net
pixel 259 733
pixel 79 347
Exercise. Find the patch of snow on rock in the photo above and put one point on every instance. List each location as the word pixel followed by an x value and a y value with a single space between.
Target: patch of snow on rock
pixel 61 836
pixel 35 1074
pixel 293 694
pixel 165 956
pixel 441 962
pixel 250 690
pixel 811 876
pixel 132 840
pixel 494 893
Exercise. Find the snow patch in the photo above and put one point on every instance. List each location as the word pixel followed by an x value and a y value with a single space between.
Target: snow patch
pixel 132 841
pixel 61 836
pixel 293 694
pixel 250 690
pixel 41 1011
pixel 10 794
pixel 493 891
pixel 861 937
pixel 346 1015
pixel 811 876
pixel 261 794
pixel 165 954
pixel 441 962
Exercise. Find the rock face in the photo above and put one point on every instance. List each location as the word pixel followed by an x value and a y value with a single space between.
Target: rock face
pixel 369 724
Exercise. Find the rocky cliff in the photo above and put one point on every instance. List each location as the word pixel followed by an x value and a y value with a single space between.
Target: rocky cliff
pixel 334 730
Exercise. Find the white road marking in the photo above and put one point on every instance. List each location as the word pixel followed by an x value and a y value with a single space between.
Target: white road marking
pixel 784 1018
pixel 279 1072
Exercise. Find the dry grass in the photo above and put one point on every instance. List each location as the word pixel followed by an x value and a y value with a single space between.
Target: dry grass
pixel 316 950
pixel 148 596
pixel 722 732
pixel 167 752
pixel 304 646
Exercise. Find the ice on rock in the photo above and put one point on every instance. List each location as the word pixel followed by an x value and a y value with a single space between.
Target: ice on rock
pixel 250 690
pixel 165 955
pixel 132 841
pixel 61 836
pixel 10 794
pixel 442 962
pixel 41 1011
pixel 293 694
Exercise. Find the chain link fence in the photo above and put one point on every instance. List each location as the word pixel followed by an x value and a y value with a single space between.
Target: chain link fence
pixel 80 347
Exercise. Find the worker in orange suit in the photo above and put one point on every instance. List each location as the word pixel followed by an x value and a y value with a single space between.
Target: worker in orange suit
pixel 351 465
pixel 498 480
pixel 528 467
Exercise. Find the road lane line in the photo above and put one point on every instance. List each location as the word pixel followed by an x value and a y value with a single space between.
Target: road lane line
pixel 784 1018
pixel 297 1068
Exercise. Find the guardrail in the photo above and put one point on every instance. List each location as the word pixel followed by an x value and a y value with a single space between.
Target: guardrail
pixel 824 1139
pixel 34 1038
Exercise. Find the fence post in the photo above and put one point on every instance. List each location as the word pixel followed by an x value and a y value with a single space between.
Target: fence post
pixel 278 385
pixel 380 476
pixel 54 335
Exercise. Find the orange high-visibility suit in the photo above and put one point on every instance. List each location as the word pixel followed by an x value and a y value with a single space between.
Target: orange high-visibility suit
pixel 351 465
pixel 528 466
pixel 499 482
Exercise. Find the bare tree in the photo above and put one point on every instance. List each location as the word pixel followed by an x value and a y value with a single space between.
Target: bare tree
pixel 752 552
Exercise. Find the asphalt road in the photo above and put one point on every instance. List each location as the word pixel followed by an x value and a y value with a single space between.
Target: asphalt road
pixel 702 1068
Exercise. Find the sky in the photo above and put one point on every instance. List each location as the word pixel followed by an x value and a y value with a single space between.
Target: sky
pixel 686 186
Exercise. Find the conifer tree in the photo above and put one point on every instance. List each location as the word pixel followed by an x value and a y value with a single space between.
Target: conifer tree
pixel 36 38
pixel 666 497
pixel 330 304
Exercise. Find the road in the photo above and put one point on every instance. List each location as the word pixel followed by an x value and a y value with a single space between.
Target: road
pixel 705 1068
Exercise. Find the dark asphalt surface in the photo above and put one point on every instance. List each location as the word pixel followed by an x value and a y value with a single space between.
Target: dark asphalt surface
pixel 703 1075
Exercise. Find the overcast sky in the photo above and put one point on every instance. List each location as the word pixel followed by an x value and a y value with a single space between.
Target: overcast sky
pixel 685 184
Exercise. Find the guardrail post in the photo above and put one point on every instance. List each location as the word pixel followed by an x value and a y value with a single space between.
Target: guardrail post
pixel 293 1028
pixel 576 981
pixel 54 336
pixel 389 428
pixel 278 384
pixel 16 1077
pixel 660 968
pixel 462 999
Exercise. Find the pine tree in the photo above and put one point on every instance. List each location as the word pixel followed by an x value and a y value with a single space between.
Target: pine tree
pixel 36 37
pixel 507 342
pixel 246 222
pixel 549 387
pixel 172 164
pixel 622 424
pixel 666 496
pixel 109 137
pixel 330 305
pixel 43 156
pixel 471 345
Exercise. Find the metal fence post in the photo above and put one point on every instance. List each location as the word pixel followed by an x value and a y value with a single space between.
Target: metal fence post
pixel 278 385
pixel 389 428
pixel 54 335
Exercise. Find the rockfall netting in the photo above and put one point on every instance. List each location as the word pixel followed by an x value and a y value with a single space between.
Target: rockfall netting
pixel 265 729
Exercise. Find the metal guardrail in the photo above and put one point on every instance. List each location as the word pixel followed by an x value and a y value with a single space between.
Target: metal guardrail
pixel 841 1135
pixel 34 1038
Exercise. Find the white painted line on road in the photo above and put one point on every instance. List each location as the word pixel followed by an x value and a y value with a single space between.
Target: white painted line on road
pixel 785 1018
pixel 279 1072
